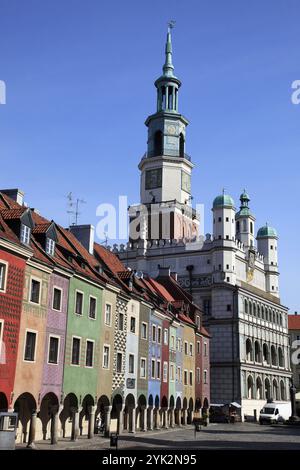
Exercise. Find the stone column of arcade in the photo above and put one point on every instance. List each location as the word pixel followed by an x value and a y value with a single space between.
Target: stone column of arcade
pixel 32 429
pixel 184 417
pixel 121 419
pixel 150 408
pixel 165 418
pixel 107 412
pixel 172 418
pixel 54 424
pixel 75 424
pixel 91 428
pixel 143 418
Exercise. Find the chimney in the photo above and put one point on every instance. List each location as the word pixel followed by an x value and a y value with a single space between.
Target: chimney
pixel 85 234
pixel 163 272
pixel 296 313
pixel 174 275
pixel 15 194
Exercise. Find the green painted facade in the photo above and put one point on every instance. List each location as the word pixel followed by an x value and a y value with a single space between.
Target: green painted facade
pixel 79 379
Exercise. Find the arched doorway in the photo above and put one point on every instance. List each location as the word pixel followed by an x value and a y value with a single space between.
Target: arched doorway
pixel 156 412
pixel 267 389
pixel 205 407
pixel 129 413
pixel 48 411
pixel 3 402
pixel 67 416
pixel 117 405
pixel 171 417
pixel 259 391
pixel 163 412
pixel 25 406
pixel 141 418
pixel 250 387
pixel 102 404
pixel 275 390
pixel 150 412
pixel 282 391
pixel 178 411
pixel 190 411
pixel 85 415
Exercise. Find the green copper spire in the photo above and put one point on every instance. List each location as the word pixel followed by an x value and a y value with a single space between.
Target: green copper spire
pixel 168 67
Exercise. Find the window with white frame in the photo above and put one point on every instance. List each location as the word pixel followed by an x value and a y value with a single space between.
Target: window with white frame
pixel 119 362
pixel 105 362
pixel 166 336
pixel 25 234
pixel 186 348
pixel 172 342
pixel 172 378
pixel 153 333
pixel 76 346
pixel 107 316
pixel 198 375
pixel 159 334
pixel 205 376
pixel 144 330
pixel 153 364
pixel 53 350
pixel 178 344
pixel 35 290
pixel 143 368
pixel 132 324
pixel 79 303
pixel 50 246
pixel 205 349
pixel 131 364
pixel 158 370
pixel 198 347
pixel 92 307
pixel 56 300
pixel 165 371
pixel 179 374
pixel 30 346
pixel 191 349
pixel 89 354
pixel 198 322
pixel 3 276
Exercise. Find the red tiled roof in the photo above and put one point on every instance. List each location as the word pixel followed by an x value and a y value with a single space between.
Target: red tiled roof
pixel 109 259
pixel 7 203
pixel 160 289
pixel 294 322
pixel 41 228
pixel 125 274
pixel 11 214
pixel 186 319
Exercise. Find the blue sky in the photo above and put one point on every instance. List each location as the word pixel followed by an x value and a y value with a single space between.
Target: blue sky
pixel 79 77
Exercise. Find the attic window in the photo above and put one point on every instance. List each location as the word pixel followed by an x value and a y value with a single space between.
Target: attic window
pixel 50 246
pixel 83 265
pixel 25 234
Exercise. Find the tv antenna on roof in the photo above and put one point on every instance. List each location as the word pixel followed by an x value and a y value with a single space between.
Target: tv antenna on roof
pixel 74 207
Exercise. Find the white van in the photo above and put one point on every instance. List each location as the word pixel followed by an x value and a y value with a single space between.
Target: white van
pixel 275 412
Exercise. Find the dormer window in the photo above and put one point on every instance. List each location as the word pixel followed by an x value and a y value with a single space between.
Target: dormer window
pixel 50 246
pixel 25 234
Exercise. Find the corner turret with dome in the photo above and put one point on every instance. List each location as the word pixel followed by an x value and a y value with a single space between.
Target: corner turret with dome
pixel 224 200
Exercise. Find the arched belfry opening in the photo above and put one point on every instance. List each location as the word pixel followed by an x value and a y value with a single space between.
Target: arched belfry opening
pixel 181 145
pixel 158 143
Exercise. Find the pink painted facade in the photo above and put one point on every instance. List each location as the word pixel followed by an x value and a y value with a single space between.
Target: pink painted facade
pixel 56 326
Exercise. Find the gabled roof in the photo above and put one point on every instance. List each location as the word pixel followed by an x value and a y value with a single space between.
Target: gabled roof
pixel 294 322
pixel 110 260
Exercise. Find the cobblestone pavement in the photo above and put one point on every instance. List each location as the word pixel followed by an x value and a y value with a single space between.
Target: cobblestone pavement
pixel 215 436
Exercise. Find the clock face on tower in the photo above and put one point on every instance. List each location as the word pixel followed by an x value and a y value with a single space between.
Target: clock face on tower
pixel 171 130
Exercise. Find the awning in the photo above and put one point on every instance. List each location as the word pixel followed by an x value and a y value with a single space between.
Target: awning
pixel 235 404
pixel 217 404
